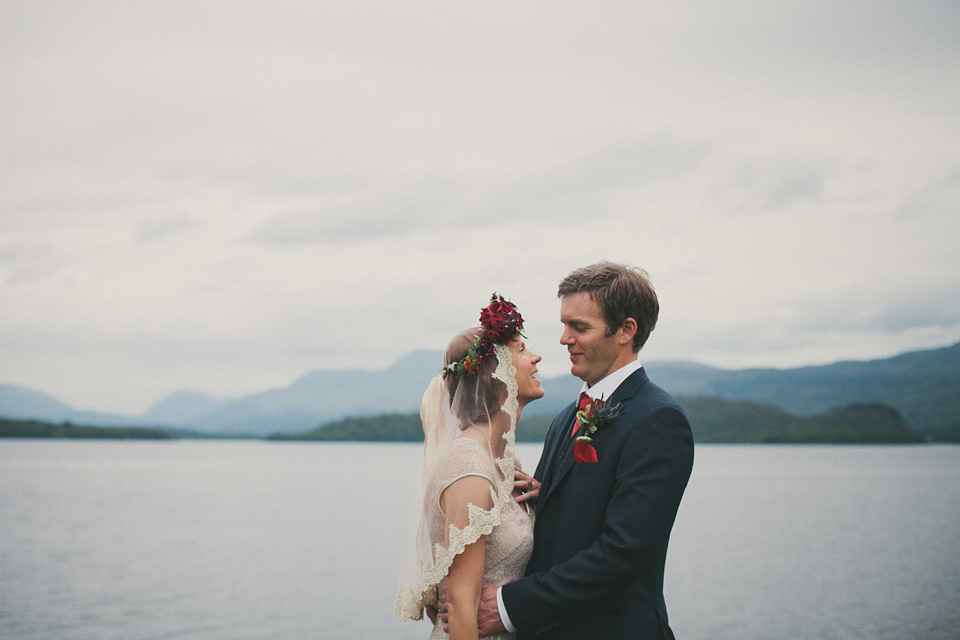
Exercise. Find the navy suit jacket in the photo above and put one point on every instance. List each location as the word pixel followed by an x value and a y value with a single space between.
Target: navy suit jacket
pixel 602 528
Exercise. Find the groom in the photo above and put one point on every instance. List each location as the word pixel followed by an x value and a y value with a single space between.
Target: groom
pixel 605 507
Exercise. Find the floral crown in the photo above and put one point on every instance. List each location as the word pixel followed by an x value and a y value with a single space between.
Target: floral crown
pixel 501 322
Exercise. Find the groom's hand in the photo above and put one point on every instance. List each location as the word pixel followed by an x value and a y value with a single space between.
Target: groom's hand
pixel 445 616
pixel 525 487
pixel 488 617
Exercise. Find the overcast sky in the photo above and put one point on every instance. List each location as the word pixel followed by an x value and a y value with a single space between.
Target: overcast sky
pixel 224 196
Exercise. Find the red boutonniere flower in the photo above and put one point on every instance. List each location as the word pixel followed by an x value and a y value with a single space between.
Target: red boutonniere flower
pixel 595 415
pixel 583 451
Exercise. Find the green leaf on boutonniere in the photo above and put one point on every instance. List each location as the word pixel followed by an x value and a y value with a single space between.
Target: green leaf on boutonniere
pixel 596 414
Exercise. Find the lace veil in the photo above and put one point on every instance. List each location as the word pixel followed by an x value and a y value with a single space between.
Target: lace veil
pixel 469 424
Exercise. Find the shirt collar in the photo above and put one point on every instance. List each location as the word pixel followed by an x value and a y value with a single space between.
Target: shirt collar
pixel 608 385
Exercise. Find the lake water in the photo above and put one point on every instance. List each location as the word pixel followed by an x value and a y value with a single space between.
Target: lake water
pixel 234 540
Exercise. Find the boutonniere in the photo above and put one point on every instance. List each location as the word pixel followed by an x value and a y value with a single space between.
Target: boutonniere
pixel 595 414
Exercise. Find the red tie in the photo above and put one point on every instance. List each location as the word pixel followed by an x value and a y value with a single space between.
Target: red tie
pixel 581 406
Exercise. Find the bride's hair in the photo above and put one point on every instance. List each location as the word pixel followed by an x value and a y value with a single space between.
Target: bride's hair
pixel 478 394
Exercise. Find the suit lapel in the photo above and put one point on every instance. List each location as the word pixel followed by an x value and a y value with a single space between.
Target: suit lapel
pixel 561 460
pixel 629 387
pixel 552 449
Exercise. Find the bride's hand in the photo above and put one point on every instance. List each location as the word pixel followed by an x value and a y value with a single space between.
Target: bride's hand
pixel 525 487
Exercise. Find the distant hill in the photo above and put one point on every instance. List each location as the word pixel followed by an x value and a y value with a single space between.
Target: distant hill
pixel 183 407
pixel 716 420
pixel 391 427
pixel 316 398
pixel 20 402
pixel 322 396
pixel 923 385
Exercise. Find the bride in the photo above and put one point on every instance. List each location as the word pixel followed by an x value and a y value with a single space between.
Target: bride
pixel 473 525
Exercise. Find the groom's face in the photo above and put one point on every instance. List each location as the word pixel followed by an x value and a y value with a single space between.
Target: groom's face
pixel 593 354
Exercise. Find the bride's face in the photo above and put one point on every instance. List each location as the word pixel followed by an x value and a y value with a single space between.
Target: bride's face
pixel 528 385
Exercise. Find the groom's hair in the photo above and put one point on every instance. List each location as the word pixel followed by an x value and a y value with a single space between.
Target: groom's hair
pixel 621 292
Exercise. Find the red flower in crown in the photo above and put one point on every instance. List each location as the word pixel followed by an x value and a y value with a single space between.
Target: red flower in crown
pixel 501 322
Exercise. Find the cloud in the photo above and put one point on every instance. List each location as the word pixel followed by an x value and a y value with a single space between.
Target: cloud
pixel 821 51
pixel 236 197
pixel 24 265
pixel 885 305
pixel 776 185
pixel 155 227
pixel 937 198
pixel 562 194
pixel 584 186
pixel 349 217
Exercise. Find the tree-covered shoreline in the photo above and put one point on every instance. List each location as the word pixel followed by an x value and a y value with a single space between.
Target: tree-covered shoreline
pixel 37 429
pixel 714 420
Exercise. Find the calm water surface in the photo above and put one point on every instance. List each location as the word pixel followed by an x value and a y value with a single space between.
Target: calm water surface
pixel 234 540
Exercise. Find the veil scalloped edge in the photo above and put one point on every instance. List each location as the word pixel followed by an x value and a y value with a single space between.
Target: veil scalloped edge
pixel 411 599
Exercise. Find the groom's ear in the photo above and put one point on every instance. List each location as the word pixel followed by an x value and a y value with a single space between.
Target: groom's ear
pixel 626 332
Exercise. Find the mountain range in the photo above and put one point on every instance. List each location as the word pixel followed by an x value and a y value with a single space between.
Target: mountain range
pixel 923 385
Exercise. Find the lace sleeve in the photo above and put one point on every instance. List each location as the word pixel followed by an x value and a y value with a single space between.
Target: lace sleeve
pixel 485 402
pixel 466 521
pixel 469 520
pixel 465 458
